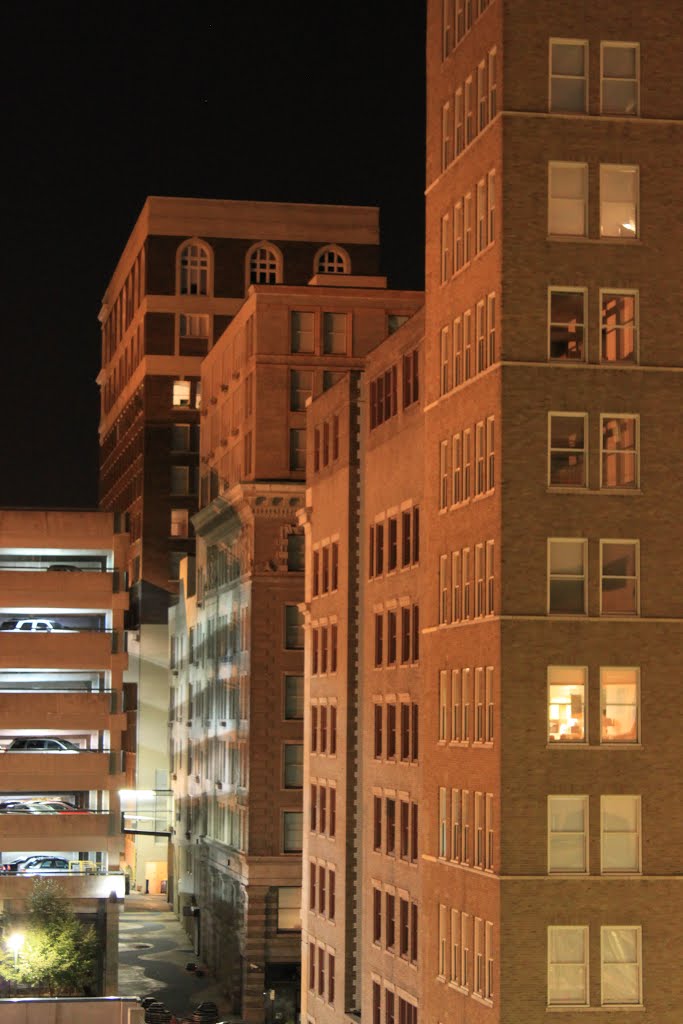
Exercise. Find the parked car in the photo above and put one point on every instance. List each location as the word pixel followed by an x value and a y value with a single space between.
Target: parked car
pixel 21 808
pixel 58 807
pixel 35 626
pixel 39 865
pixel 42 745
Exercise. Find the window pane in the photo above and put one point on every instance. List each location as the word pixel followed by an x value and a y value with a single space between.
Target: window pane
pixel 567 853
pixel 619 79
pixel 619 456
pixel 619 581
pixel 334 333
pixel 566 697
pixel 566 558
pixel 619 97
pixel 567 975
pixel 619 705
pixel 294 697
pixel 302 332
pixel 568 91
pixel 566 213
pixel 567 462
pixel 619 327
pixel 620 966
pixel 618 198
pixel 566 325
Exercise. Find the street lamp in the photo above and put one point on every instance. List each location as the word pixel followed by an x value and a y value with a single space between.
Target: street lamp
pixel 15 943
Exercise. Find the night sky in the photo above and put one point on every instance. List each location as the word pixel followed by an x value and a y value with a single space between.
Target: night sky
pixel 103 105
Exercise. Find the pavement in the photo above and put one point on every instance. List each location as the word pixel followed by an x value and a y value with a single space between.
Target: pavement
pixel 153 951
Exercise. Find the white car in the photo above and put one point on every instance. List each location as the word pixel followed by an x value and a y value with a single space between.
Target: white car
pixel 34 626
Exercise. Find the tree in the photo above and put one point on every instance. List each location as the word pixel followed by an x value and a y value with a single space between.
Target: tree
pixel 59 954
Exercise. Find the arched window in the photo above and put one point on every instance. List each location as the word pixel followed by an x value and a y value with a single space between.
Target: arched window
pixel 264 264
pixel 193 267
pixel 332 260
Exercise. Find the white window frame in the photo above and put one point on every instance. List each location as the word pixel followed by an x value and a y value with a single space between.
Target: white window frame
pixel 554 682
pixel 569 540
pixel 492 80
pixel 624 540
pixel 568 290
pixel 636 450
pixel 552 164
pixel 586 971
pixel 638 963
pixel 568 42
pixel 638 833
pixel 603 704
pixel 491 206
pixel 553 869
pixel 459 123
pixel 446 236
pixel 622 167
pixel 482 95
pixel 551 450
pixel 635 295
pixel 614 44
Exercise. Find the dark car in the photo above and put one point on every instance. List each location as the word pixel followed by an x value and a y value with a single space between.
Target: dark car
pixel 42 745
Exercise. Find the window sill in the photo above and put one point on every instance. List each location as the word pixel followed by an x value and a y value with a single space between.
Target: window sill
pixel 593 746
pixel 583 239
pixel 621 491
pixel 595 1009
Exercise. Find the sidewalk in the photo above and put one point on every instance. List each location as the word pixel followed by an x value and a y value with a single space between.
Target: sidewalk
pixel 153 951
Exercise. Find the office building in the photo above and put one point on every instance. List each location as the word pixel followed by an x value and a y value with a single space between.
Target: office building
pixel 237 632
pixel 62 716
pixel 548 778
pixel 182 277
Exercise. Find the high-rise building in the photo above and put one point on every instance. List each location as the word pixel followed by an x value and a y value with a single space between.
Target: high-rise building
pixel 363 685
pixel 182 277
pixel 62 715
pixel 238 634
pixel 547 774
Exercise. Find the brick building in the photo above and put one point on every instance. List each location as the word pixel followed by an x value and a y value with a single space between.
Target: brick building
pixel 182 277
pixel 237 632
pixel 549 844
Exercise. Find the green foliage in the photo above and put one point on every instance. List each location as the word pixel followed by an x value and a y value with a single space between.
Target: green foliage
pixel 59 954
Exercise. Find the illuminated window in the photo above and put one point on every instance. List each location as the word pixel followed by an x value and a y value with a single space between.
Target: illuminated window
pixel 567 198
pixel 567 438
pixel 567 577
pixel 619 326
pixel 288 908
pixel 194 269
pixel 619 705
pixel 619 456
pixel 180 522
pixel 264 264
pixel 566 704
pixel 619 577
pixel 618 201
pixel 567 965
pixel 568 75
pixel 332 260
pixel 182 392
pixel 619 78
pixel 566 323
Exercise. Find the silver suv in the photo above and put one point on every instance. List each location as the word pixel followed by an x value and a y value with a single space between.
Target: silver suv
pixel 42 745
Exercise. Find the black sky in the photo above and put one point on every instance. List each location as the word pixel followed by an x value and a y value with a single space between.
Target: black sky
pixel 103 105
